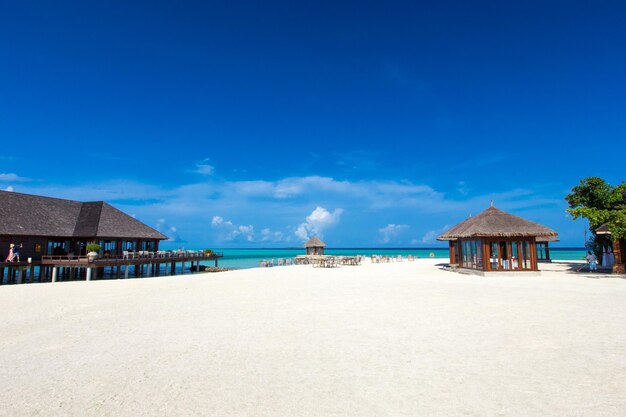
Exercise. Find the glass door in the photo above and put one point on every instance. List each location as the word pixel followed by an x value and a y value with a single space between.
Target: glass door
pixel 494 256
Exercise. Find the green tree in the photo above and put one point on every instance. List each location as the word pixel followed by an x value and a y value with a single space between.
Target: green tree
pixel 599 202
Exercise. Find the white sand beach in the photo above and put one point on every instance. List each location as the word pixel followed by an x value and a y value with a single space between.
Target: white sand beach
pixel 395 339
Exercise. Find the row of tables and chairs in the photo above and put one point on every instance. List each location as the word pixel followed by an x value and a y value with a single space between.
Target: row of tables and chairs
pixel 163 254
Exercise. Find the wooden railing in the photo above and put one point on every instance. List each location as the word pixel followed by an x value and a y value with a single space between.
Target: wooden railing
pixel 135 256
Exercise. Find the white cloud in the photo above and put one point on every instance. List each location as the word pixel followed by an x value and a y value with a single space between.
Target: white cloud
pixel 203 167
pixel 10 176
pixel 392 232
pixel 228 231
pixel 218 221
pixel 430 236
pixel 267 235
pixel 280 206
pixel 318 221
pixel 170 231
pixel 9 188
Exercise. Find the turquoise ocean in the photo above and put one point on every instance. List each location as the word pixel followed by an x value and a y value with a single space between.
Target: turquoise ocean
pixel 249 258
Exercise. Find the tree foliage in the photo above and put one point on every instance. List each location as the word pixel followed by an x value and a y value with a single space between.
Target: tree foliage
pixel 599 202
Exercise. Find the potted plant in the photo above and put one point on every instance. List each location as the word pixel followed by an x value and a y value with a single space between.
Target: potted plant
pixel 92 251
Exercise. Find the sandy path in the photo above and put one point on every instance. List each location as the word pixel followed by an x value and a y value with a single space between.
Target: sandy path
pixel 398 339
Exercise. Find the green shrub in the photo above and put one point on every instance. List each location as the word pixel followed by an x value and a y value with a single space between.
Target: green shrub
pixel 93 247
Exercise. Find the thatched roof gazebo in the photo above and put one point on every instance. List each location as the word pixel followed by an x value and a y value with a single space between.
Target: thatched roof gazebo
pixel 314 246
pixel 495 240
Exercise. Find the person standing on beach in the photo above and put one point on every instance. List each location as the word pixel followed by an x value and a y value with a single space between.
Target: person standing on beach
pixel 592 260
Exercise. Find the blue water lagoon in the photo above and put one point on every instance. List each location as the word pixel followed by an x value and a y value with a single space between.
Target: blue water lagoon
pixel 250 258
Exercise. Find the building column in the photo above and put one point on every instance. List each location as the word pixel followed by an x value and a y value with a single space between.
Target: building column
pixel 533 255
pixel 619 257
pixel 451 245
pixel 89 274
pixel 54 274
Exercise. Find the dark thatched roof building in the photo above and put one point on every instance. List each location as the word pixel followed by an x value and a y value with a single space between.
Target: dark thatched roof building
pixel 619 248
pixel 314 246
pixel 495 240
pixel 53 226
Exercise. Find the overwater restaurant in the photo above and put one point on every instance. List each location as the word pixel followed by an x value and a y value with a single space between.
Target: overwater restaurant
pixel 56 227
pixel 495 240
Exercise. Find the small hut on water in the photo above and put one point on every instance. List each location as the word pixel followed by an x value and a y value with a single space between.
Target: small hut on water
pixel 495 240
pixel 315 246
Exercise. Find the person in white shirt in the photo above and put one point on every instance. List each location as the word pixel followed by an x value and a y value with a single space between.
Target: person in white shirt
pixel 592 260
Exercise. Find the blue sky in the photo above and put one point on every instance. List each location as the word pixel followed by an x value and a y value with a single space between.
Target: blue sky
pixel 236 124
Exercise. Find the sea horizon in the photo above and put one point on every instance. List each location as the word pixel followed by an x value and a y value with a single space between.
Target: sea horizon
pixel 243 258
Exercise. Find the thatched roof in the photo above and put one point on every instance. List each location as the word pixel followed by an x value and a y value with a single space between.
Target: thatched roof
pixel 603 229
pixel 314 242
pixel 496 223
pixel 32 215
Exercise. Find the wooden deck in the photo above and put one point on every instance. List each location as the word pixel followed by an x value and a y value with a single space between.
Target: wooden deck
pixel 69 267
pixel 136 258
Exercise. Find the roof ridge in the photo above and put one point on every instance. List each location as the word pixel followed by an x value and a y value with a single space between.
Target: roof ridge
pixel 41 196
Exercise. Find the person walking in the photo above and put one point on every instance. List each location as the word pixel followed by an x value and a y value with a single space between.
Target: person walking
pixel 592 260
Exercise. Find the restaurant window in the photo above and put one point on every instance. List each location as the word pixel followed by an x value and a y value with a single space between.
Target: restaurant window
pixel 525 254
pixel 541 251
pixel 464 252
pixel 515 261
pixel 493 255
pixel 58 247
pixel 478 254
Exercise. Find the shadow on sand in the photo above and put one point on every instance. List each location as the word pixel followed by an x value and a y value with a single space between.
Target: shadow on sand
pixel 582 269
